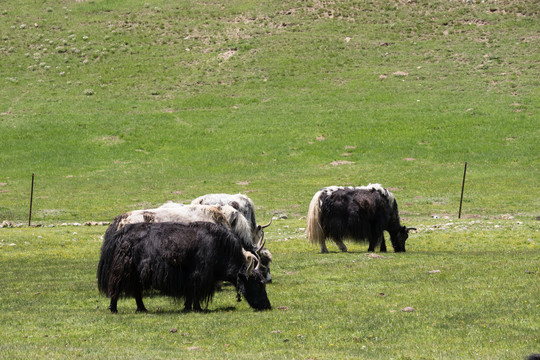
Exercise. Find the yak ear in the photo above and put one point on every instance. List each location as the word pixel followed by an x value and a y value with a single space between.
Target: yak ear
pixel 235 205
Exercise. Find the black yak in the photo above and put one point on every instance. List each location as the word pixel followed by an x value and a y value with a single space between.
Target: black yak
pixel 218 214
pixel 359 213
pixel 178 260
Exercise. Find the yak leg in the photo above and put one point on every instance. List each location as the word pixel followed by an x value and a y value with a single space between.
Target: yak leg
pixel 187 304
pixel 383 244
pixel 374 239
pixel 140 304
pixel 197 306
pixel 324 249
pixel 372 243
pixel 112 306
pixel 341 245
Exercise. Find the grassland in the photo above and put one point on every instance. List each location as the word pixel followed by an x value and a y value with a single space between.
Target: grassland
pixel 482 304
pixel 127 104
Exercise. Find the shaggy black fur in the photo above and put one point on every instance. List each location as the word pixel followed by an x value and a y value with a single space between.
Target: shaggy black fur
pixel 178 260
pixel 362 215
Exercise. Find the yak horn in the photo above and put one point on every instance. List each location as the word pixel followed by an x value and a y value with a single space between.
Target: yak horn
pixel 260 245
pixel 409 229
pixel 267 225
pixel 251 259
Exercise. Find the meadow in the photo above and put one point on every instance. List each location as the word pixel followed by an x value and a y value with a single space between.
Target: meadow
pixel 122 105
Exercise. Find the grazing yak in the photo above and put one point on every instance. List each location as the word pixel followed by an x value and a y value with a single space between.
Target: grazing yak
pixel 359 213
pixel 178 260
pixel 240 202
pixel 246 207
pixel 224 215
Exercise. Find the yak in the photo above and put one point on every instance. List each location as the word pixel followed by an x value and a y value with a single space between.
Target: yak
pixel 246 207
pixel 178 260
pixel 359 213
pixel 240 202
pixel 224 215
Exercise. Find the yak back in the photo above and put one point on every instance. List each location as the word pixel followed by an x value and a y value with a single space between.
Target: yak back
pixel 179 260
pixel 355 213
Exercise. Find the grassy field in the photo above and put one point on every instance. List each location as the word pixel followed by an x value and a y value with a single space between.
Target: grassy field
pixel 482 304
pixel 121 105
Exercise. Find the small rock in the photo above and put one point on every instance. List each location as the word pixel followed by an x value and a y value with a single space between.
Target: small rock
pixel 6 224
pixel 284 308
pixel 434 271
pixel 408 309
pixel 400 73
pixel 173 330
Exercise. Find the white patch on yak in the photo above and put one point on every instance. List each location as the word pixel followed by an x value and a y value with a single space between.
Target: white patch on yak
pixel 328 190
pixel 174 213
pixel 196 212
pixel 240 202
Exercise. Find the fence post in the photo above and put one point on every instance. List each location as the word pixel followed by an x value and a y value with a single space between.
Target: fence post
pixel 31 199
pixel 462 188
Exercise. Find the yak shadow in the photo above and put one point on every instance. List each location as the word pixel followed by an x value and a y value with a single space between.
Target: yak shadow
pixel 184 311
pixel 352 252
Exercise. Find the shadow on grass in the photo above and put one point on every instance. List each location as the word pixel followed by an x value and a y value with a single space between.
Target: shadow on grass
pixel 183 311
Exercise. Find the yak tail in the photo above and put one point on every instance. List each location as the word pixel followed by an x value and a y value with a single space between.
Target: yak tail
pixel 314 231
pixel 108 251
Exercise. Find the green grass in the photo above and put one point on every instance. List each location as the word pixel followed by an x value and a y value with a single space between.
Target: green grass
pixel 121 105
pixel 482 304
pixel 134 102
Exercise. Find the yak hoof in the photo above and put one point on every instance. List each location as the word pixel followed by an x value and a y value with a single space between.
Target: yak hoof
pixel 142 310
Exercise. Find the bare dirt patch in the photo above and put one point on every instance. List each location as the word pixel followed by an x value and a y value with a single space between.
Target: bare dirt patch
pixel 227 54
pixel 341 162
pixel 110 140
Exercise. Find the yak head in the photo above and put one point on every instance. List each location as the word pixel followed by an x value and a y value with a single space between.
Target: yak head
pixel 398 239
pixel 258 232
pixel 251 283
